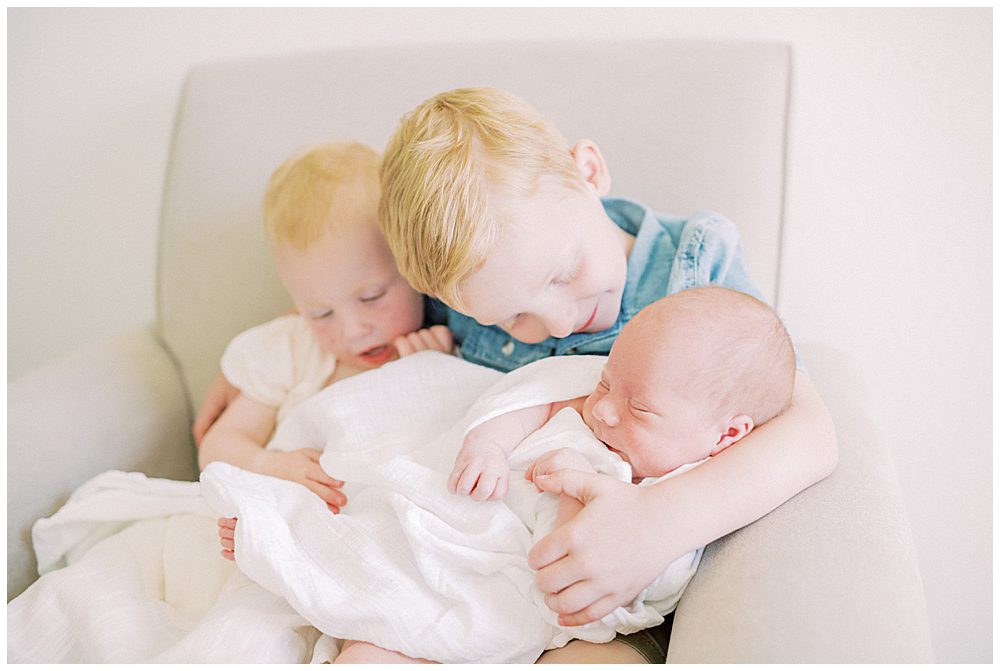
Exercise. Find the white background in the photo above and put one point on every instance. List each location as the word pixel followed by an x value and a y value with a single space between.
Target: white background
pixel 888 251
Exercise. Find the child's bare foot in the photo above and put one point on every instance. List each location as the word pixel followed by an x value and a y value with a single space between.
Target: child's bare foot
pixel 227 530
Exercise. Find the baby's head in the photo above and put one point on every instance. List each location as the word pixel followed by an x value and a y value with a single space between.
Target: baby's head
pixel 488 208
pixel 689 376
pixel 320 212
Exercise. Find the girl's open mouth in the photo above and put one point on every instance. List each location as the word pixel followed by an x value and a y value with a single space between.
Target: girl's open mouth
pixel 376 356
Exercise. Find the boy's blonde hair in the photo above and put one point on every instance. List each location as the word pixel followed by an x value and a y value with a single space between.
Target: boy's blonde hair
pixel 324 186
pixel 443 169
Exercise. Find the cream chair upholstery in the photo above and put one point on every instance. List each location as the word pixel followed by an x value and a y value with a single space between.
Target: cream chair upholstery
pixel 828 577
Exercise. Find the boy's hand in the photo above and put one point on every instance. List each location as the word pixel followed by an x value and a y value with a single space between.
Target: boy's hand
pixel 302 466
pixel 481 472
pixel 557 460
pixel 605 555
pixel 436 337
pixel 227 532
pixel 218 397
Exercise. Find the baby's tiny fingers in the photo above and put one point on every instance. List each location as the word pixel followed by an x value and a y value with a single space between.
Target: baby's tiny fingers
pixel 403 347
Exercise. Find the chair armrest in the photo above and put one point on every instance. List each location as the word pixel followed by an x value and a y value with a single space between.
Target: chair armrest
pixel 831 576
pixel 117 405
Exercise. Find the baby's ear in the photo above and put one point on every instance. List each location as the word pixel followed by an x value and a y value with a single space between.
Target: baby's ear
pixel 732 431
pixel 592 166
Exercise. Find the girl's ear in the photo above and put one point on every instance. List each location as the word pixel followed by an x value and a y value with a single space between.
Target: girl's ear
pixel 733 430
pixel 592 166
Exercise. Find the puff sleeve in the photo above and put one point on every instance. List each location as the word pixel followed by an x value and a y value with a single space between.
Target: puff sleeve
pixel 278 363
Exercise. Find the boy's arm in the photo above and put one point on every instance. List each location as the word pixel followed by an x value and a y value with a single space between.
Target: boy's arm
pixel 481 469
pixel 238 438
pixel 559 460
pixel 581 566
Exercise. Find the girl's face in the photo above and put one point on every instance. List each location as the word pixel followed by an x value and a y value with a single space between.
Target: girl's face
pixel 557 267
pixel 347 286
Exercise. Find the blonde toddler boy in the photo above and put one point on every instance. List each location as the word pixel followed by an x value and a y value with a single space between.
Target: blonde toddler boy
pixel 489 209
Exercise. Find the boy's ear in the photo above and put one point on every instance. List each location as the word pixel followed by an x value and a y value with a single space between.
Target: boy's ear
pixel 592 166
pixel 733 430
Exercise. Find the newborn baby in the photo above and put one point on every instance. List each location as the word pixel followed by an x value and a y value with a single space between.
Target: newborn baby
pixel 411 568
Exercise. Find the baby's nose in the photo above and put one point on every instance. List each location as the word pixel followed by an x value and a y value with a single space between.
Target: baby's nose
pixel 604 411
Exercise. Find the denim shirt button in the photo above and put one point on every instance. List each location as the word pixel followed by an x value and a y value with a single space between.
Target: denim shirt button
pixel 508 348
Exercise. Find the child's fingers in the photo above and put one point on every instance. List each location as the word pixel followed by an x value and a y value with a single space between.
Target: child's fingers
pixel 500 491
pixel 442 334
pixel 467 482
pixel 317 474
pixel 484 488
pixel 428 339
pixel 331 496
pixel 403 346
pixel 456 475
pixel 227 522
pixel 227 533
pixel 228 554
pixel 228 543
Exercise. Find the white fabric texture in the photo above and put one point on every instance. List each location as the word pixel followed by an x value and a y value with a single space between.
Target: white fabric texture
pixel 407 565
pixel 141 577
pixel 141 580
pixel 279 363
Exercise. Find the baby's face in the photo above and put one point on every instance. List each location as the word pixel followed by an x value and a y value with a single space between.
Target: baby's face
pixel 348 287
pixel 557 267
pixel 639 411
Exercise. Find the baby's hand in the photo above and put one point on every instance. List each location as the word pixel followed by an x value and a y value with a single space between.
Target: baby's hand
pixel 557 460
pixel 481 472
pixel 302 466
pixel 436 338
pixel 227 532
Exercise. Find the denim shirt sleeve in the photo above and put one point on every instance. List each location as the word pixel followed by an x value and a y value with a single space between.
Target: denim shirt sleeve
pixel 710 253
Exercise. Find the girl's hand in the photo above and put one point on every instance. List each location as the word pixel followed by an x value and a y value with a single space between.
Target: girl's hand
pixel 218 397
pixel 605 555
pixel 302 466
pixel 557 460
pixel 227 532
pixel 436 338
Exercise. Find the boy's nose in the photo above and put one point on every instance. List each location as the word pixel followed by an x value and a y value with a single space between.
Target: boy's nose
pixel 560 324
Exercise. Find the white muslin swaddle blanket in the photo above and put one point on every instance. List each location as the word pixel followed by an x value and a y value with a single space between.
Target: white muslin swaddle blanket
pixel 407 565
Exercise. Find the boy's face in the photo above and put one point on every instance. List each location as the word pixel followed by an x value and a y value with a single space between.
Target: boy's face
pixel 557 267
pixel 347 286
pixel 639 411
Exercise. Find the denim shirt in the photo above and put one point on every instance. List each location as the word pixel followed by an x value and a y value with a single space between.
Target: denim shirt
pixel 669 254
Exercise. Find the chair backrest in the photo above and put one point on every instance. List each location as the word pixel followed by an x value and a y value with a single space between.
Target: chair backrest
pixel 683 125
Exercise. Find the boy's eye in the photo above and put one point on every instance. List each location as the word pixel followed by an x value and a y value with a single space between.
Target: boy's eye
pixel 324 315
pixel 567 277
pixel 373 297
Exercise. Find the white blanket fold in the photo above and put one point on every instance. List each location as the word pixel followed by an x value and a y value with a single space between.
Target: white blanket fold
pixel 131 570
pixel 407 565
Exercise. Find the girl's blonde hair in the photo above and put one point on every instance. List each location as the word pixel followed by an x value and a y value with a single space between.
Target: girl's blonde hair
pixel 315 190
pixel 443 171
